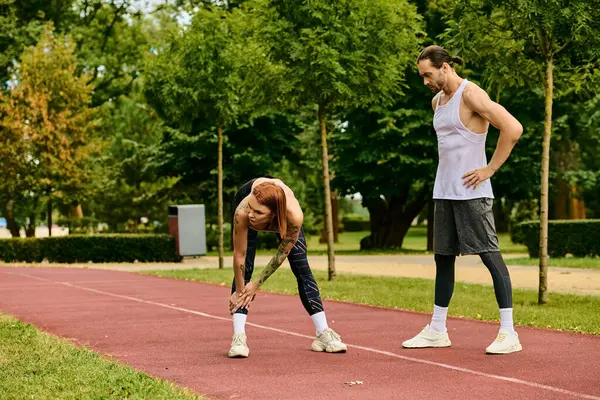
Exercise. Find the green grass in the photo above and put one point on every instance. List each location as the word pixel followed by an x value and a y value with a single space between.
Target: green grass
pixel 563 312
pixel 347 241
pixel 414 242
pixel 35 365
pixel 508 247
pixel 569 262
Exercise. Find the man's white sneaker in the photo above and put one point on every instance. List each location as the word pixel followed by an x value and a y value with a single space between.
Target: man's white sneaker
pixel 238 346
pixel 428 338
pixel 329 341
pixel 506 342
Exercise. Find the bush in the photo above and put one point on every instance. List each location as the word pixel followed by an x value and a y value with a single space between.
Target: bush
pixel 352 223
pixel 95 248
pixel 576 237
pixel 79 225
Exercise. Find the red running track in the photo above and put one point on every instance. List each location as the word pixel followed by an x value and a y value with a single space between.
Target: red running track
pixel 181 331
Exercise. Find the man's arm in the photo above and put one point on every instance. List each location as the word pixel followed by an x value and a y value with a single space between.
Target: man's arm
pixel 510 131
pixel 285 246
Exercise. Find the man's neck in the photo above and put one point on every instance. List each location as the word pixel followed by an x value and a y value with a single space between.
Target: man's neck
pixel 452 85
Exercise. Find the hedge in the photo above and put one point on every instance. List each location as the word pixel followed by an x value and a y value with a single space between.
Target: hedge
pixel 577 237
pixel 353 224
pixel 94 248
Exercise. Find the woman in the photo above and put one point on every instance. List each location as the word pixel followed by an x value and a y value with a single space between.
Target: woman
pixel 266 204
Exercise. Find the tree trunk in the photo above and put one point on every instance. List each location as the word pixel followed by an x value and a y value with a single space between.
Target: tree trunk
pixel 390 220
pixel 430 214
pixel 220 196
pixel 577 206
pixel 561 201
pixel 30 228
pixel 568 203
pixel 543 285
pixel 11 223
pixel 49 217
pixel 76 211
pixel 335 218
pixel 328 213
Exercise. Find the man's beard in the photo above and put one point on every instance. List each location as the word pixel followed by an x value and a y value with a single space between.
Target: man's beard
pixel 437 87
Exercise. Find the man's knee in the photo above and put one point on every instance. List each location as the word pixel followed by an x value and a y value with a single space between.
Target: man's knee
pixel 494 261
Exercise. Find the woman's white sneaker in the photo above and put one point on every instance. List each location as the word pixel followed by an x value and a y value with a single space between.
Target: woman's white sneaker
pixel 506 342
pixel 329 341
pixel 239 348
pixel 428 338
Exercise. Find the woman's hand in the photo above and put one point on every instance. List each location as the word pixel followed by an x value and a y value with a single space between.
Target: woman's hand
pixel 248 294
pixel 234 301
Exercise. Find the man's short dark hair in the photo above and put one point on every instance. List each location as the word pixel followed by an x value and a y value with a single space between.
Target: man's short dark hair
pixel 438 56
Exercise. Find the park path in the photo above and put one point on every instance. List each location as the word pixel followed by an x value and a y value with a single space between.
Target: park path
pixel 468 269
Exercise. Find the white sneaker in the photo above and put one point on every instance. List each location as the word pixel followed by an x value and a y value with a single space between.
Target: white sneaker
pixel 238 346
pixel 506 342
pixel 428 338
pixel 329 341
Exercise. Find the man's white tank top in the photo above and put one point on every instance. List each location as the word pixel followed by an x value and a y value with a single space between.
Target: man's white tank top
pixel 460 151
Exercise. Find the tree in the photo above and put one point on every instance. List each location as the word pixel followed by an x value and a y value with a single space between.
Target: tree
pixel 22 22
pixel 216 72
pixel 341 54
pixel 389 156
pixel 581 117
pixel 112 39
pixel 14 161
pixel 551 42
pixel 133 157
pixel 48 121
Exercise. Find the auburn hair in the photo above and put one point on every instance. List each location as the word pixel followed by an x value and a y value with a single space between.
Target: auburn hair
pixel 272 195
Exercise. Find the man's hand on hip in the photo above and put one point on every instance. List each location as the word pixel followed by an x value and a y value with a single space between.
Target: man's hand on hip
pixel 475 177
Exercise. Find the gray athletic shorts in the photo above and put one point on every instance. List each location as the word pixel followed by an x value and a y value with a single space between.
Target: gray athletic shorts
pixel 464 227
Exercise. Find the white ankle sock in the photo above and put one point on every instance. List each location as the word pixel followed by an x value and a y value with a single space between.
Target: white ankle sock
pixel 506 319
pixel 438 319
pixel 239 323
pixel 320 322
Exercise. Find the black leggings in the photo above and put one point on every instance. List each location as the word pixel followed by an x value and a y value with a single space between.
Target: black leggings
pixel 298 259
pixel 444 278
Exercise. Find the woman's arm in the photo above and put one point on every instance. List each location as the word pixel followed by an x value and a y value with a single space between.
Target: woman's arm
pixel 285 246
pixel 240 244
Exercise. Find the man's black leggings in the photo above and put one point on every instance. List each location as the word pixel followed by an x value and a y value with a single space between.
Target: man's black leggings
pixel 298 259
pixel 444 278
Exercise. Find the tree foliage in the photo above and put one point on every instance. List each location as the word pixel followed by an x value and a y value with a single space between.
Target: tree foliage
pixel 48 123
pixel 342 54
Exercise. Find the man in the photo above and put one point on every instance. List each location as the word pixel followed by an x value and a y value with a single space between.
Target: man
pixel 463 219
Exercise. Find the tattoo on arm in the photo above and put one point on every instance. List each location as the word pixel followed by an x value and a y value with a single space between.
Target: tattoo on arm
pixel 285 246
pixel 239 264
